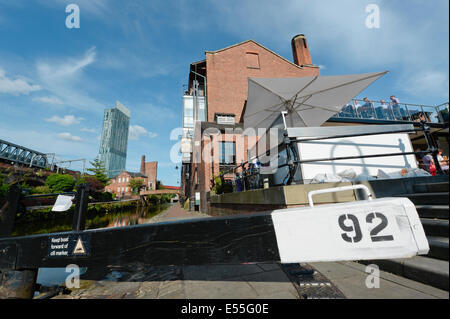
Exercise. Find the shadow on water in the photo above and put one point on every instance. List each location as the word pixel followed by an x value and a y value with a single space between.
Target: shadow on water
pixel 118 217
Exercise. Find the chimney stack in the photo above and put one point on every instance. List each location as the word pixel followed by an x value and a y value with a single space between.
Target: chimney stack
pixel 300 50
pixel 143 165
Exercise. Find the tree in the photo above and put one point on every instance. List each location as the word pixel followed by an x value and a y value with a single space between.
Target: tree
pixel 99 170
pixel 94 184
pixel 59 183
pixel 159 185
pixel 135 184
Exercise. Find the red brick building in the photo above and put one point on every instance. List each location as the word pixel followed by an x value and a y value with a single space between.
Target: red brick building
pixel 150 170
pixel 215 101
pixel 119 185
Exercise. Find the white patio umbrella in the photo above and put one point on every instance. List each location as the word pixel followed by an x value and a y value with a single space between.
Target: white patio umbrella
pixel 307 101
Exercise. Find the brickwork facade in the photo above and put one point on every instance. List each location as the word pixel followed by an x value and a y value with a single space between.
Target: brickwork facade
pixel 119 185
pixel 227 72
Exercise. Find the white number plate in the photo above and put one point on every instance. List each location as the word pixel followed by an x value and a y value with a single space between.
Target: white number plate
pixel 378 229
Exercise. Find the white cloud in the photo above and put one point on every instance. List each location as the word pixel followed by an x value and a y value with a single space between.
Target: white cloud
pixel 17 86
pixel 89 130
pixel 408 41
pixel 67 120
pixel 48 100
pixel 66 69
pixel 137 131
pixel 69 137
pixel 66 80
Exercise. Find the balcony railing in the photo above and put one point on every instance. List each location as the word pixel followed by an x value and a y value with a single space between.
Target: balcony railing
pixel 399 112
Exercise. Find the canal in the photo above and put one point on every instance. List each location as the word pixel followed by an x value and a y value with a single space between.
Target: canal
pixel 107 215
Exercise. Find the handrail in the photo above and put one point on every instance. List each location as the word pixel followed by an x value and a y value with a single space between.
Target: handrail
pixel 424 128
pixel 338 189
pixel 389 111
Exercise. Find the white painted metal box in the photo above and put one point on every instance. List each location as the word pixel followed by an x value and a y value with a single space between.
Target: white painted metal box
pixel 382 228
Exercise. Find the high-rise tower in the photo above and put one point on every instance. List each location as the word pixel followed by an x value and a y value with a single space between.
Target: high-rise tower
pixel 113 145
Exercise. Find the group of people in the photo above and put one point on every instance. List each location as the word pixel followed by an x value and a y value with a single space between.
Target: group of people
pixel 428 162
pixel 383 110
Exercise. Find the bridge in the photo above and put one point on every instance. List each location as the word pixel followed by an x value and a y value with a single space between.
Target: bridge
pixel 171 190
pixel 22 155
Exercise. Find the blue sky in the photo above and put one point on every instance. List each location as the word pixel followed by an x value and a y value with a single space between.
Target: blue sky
pixel 55 82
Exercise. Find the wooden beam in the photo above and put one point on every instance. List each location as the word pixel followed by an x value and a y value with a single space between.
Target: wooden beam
pixel 220 240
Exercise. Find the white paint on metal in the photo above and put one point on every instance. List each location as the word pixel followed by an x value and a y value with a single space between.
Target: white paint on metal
pixel 357 146
pixel 338 189
pixel 316 234
pixel 63 203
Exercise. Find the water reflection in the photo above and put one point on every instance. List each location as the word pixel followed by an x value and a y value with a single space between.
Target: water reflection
pixel 111 215
pixel 138 215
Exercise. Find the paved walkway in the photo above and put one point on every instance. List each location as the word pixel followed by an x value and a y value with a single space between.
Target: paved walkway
pixel 244 281
pixel 176 212
pixel 350 278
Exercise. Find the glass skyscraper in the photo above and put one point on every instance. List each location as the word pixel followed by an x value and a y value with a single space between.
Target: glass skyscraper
pixel 113 145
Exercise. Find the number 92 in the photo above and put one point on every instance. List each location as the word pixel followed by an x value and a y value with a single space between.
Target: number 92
pixel 356 228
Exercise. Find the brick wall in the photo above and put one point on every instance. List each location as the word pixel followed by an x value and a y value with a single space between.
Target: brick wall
pixel 151 169
pixel 119 182
pixel 228 71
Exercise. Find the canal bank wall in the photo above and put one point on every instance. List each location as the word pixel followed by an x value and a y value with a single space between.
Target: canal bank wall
pixel 280 197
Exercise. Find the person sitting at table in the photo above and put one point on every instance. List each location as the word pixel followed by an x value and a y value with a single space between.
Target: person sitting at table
pixel 443 162
pixel 420 117
pixel 366 110
pixel 357 107
pixel 347 111
pixel 428 162
pixel 382 111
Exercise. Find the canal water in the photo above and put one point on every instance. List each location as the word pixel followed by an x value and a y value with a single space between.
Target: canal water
pixel 120 218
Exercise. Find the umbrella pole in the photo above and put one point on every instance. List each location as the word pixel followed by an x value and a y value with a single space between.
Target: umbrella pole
pixel 283 115
pixel 292 163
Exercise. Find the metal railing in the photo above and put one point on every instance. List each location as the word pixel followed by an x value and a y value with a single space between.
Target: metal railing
pixel 248 174
pixel 391 111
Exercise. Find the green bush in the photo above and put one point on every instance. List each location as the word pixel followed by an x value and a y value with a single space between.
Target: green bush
pixel 60 183
pixel 41 190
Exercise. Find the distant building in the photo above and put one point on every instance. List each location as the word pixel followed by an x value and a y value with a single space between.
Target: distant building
pixel 113 145
pixel 150 170
pixel 119 185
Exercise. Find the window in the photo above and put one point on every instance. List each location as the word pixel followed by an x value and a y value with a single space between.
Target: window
pixel 227 153
pixel 120 179
pixel 118 189
pixel 188 120
pixel 126 189
pixel 225 118
pixel 128 179
pixel 252 60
